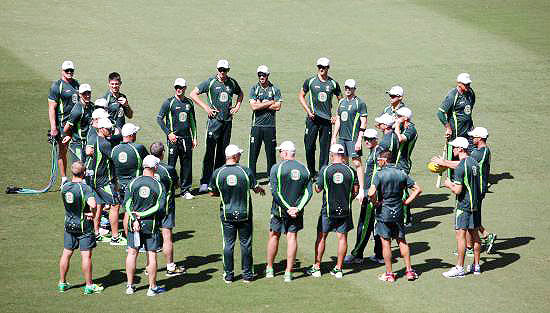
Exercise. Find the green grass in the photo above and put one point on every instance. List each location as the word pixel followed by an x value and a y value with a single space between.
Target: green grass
pixel 421 45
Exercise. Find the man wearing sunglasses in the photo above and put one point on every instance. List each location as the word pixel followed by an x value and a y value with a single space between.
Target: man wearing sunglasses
pixel 265 100
pixel 63 96
pixel 117 102
pixel 321 89
pixel 220 90
pixel 396 100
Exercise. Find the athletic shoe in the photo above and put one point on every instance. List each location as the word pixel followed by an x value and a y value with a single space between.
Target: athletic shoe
pixel 454 272
pixel 62 287
pixel 203 188
pixel 411 275
pixel 469 252
pixel 228 279
pixel 288 277
pixel 178 270
pixel 269 273
pixel 350 259
pixel 374 259
pixel 130 289
pixel 313 271
pixel 118 241
pixel 151 292
pixel 88 290
pixel 145 272
pixel 188 196
pixel 248 279
pixel 474 269
pixel 337 273
pixel 490 242
pixel 389 277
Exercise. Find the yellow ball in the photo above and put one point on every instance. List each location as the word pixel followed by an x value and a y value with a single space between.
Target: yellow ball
pixel 435 168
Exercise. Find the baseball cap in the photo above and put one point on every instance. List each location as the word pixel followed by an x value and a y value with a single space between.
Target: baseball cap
pixel 99 113
pixel 231 150
pixel 464 78
pixel 479 132
pixel 84 87
pixel 263 69
pixel 129 129
pixel 370 133
pixel 395 91
pixel 460 142
pixel 180 82
pixel 67 65
pixel 287 146
pixel 323 61
pixel 350 83
pixel 222 64
pixel 104 123
pixel 101 102
pixel 406 112
pixel 150 161
pixel 337 148
pixel 385 119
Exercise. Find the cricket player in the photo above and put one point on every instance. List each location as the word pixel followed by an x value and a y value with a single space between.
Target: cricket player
pixel 396 94
pixel 233 182
pixel 76 128
pixel 389 140
pixel 320 90
pixel 62 97
pixel 339 185
pixel 291 190
pixel 118 106
pixel 265 100
pixel 78 199
pixel 365 224
pixel 350 124
pixel 219 90
pixel 145 203
pixel 386 194
pixel 168 176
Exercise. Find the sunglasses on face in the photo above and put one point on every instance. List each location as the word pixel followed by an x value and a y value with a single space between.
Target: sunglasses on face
pixel 223 70
pixel 262 75
pixel 86 93
pixel 323 67
pixel 179 87
pixel 69 70
pixel 370 139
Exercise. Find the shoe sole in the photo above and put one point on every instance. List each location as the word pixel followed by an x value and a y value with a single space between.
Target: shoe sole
pixel 457 276
pixel 174 274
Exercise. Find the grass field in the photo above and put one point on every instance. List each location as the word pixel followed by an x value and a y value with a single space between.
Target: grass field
pixel 421 45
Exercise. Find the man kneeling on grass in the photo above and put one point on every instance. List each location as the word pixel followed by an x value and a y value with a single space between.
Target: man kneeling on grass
pixel 386 193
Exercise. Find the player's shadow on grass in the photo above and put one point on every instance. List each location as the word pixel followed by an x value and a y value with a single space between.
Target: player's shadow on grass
pixel 501 259
pixel 116 277
pixel 194 261
pixel 424 200
pixel 187 278
pixel 184 234
pixel 419 218
pixel 493 179
pixel 428 265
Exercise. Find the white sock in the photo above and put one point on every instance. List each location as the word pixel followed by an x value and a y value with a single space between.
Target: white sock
pixel 171 266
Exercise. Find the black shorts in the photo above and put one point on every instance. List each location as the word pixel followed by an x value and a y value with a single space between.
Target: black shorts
pixel 467 219
pixel 286 225
pixel 339 225
pixel 389 230
pixel 349 148
pixel 150 242
pixel 72 241
pixel 107 195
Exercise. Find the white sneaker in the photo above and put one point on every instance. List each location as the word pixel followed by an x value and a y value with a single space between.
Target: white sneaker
pixel 130 289
pixel 454 272
pixel 188 196
pixel 269 273
pixel 203 188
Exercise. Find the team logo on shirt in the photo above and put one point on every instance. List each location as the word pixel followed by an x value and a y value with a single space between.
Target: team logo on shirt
pixel 474 170
pixel 123 157
pixel 157 176
pixel 187 107
pixel 69 197
pixel 120 112
pixel 468 109
pixel 322 96
pixel 344 116
pixel 270 94
pixel 183 116
pixel 327 88
pixel 251 139
pixel 224 96
pixel 144 192
pixel 228 89
pixel 338 178
pixel 74 98
pixel 295 174
pixel 231 180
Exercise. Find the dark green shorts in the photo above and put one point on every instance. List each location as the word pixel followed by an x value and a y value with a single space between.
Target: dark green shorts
pixel 72 241
pixel 150 242
pixel 107 195
pixel 286 225
pixel 169 218
pixel 467 219
pixel 339 225
pixel 389 230
pixel 349 148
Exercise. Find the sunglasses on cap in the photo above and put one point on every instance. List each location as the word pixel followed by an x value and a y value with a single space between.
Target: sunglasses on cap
pixel 323 67
pixel 69 70
pixel 223 70
pixel 262 74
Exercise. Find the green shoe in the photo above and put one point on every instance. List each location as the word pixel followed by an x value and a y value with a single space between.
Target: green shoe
pixel 489 243
pixel 337 272
pixel 269 273
pixel 469 252
pixel 62 287
pixel 288 277
pixel 314 271
pixel 88 290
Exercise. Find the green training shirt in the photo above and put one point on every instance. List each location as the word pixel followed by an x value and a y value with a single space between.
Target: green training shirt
pixel 467 174
pixel 168 176
pixel 101 163
pixel 233 183
pixel 483 157
pixel 264 117
pixel 403 159
pixel 456 109
pixel 320 95
pixel 127 160
pixel 290 187
pixel 350 113
pixel 220 95
pixel 75 199
pixel 337 181
pixel 390 183
pixel 66 96
pixel 390 143
pixel 178 117
pixel 147 198
pixel 393 111
pixel 371 167
pixel 115 110
pixel 80 120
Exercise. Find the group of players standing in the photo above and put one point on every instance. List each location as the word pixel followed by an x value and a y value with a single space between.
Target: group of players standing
pixel 110 169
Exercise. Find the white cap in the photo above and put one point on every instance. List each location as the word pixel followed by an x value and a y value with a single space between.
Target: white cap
pixel 263 69
pixel 406 112
pixel 67 65
pixel 231 150
pixel 150 161
pixel 223 64
pixel 104 123
pixel 464 78
pixel 180 82
pixel 479 132
pixel 395 91
pixel 460 142
pixel 370 133
pixel 287 146
pixel 323 61
pixel 385 119
pixel 129 129
pixel 350 83
pixel 101 102
pixel 337 148
pixel 84 87
pixel 99 113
